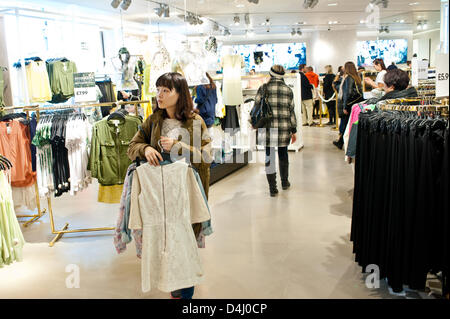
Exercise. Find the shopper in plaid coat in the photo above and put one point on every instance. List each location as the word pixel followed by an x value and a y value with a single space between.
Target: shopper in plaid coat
pixel 283 126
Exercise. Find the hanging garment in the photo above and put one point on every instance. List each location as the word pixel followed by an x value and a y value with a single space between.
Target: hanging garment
pixel 398 219
pixel 108 95
pixel 44 157
pixel 191 65
pixel 108 160
pixel 232 86
pixel 15 145
pixel 124 78
pixel 11 238
pixel 220 107
pixel 61 73
pixel 77 142
pixel 24 196
pixel 231 119
pixel 109 194
pixel 38 82
pixel 170 259
pixel 161 63
pixel 123 235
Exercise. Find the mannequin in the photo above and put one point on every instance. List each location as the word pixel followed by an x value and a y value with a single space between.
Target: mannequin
pixel 232 87
pixel 125 65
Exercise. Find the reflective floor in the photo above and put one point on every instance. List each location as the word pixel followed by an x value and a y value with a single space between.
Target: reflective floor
pixel 293 246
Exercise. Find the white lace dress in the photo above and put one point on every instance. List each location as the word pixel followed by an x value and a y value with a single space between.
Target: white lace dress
pixel 165 201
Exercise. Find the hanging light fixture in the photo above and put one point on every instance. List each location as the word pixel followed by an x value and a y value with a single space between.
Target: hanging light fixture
pixel 293 32
pixel 125 4
pixel 424 25
pixel 419 25
pixel 299 32
pixel 236 20
pixel 115 3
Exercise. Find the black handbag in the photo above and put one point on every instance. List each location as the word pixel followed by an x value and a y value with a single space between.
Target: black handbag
pixel 261 114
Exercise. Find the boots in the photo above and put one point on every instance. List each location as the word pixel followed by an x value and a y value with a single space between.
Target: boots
pixel 272 179
pixel 284 174
pixel 339 143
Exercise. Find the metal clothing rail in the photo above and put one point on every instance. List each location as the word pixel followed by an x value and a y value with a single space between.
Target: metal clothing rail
pixel 59 233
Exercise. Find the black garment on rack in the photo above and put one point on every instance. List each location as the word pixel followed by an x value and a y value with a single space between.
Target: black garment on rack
pixel 400 214
pixel 33 124
pixel 231 119
pixel 61 172
pixel 106 87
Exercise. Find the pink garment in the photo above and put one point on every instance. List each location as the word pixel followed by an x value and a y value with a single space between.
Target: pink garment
pixel 354 116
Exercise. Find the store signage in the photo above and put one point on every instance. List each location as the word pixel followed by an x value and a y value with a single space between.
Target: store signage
pixel 441 75
pixel 84 87
pixel 419 71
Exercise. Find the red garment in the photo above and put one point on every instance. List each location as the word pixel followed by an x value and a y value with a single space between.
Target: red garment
pixel 313 78
pixel 15 145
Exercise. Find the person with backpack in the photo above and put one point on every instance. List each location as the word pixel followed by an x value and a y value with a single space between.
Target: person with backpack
pixel 280 129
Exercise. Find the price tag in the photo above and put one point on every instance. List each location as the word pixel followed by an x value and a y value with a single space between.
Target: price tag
pixel 442 75
pixel 84 87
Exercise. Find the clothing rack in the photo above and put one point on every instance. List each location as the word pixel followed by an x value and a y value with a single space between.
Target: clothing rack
pixel 40 213
pixel 59 233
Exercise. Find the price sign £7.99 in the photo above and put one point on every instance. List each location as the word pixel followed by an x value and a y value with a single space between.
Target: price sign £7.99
pixel 84 87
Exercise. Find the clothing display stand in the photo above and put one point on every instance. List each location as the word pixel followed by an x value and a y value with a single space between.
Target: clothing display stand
pixel 40 213
pixel 64 230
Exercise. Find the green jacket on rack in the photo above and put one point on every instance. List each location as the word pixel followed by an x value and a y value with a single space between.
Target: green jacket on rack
pixel 108 160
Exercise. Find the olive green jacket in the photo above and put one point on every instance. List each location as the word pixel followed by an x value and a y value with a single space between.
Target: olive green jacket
pixel 108 161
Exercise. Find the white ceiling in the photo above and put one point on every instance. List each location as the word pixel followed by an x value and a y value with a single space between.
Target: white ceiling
pixel 283 14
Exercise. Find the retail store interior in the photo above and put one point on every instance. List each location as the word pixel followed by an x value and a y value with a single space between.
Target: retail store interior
pixel 360 209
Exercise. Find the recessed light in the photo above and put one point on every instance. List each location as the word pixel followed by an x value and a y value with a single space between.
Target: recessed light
pixel 414 3
pixel 332 4
pixel 362 21
pixel 240 5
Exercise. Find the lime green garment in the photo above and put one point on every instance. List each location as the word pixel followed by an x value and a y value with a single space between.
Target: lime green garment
pixel 108 160
pixel 11 238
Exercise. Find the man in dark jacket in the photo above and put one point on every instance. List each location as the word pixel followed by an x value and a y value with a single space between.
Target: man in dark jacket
pixel 307 98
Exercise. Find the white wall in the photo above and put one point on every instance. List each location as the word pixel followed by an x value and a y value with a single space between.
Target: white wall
pixel 423 49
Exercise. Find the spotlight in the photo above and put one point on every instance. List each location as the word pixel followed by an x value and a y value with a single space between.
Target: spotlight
pixel 253 1
pixel 125 4
pixel 236 20
pixel 247 19
pixel 159 11
pixel 115 3
pixel 419 25
pixel 378 2
pixel 293 32
pixel 424 25
pixel 299 32
pixel 166 11
pixel 310 4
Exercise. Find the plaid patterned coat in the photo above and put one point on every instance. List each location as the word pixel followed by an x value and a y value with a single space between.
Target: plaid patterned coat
pixel 284 123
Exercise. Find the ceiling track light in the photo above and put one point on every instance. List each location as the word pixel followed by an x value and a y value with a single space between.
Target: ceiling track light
pixel 236 20
pixel 299 32
pixel 247 19
pixel 384 3
pixel 253 1
pixel 383 29
pixel 115 3
pixel 125 4
pixel 310 4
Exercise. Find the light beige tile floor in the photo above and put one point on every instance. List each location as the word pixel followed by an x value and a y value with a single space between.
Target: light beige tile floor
pixel 293 246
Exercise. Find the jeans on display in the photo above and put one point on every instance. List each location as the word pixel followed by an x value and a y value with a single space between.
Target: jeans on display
pixel 400 216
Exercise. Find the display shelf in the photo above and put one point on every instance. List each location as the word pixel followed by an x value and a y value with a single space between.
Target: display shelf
pixel 220 171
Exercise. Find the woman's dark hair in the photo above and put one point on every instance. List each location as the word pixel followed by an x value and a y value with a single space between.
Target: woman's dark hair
pixel 341 70
pixel 350 69
pixel 185 106
pixel 397 78
pixel 211 84
pixel 379 62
